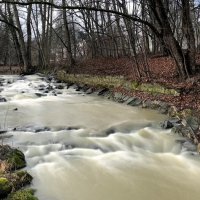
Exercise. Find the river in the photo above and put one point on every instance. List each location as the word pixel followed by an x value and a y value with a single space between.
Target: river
pixel 81 147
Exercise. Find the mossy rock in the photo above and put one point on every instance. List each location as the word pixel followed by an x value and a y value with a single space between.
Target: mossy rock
pixel 173 112
pixel 26 194
pixel 5 187
pixel 12 159
pixel 20 179
pixel 16 159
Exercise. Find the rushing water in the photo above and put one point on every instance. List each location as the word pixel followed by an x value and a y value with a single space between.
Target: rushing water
pixel 83 147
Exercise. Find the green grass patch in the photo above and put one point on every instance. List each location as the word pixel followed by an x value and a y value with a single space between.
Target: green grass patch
pixel 114 82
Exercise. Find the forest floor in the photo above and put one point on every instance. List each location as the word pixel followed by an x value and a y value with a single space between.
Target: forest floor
pixel 162 71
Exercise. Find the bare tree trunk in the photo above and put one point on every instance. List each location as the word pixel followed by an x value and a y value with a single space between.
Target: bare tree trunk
pixel 68 37
pixel 21 38
pixel 29 35
pixel 168 38
pixel 14 36
pixel 188 31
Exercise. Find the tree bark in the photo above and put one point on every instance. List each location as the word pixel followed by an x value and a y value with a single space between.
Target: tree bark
pixel 188 32
pixel 21 38
pixel 29 36
pixel 71 61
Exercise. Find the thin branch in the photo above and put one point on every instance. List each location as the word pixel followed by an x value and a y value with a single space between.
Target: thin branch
pixel 131 17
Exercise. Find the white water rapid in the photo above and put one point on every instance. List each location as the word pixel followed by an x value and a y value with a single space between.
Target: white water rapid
pixel 81 147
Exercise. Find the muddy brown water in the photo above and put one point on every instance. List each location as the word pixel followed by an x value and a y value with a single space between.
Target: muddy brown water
pixel 82 147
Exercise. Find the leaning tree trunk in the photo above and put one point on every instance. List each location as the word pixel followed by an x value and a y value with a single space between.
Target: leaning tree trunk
pixel 167 37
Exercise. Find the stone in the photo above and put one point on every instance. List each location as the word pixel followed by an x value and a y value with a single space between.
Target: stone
pixel 118 95
pixel 135 102
pixel 16 159
pixel 102 91
pixel 69 85
pixel 126 98
pixel 186 132
pixel 85 88
pixel 75 86
pixel 71 128
pixel 167 124
pixel 41 86
pixel 3 131
pixel 2 99
pixel 172 111
pixel 60 87
pixel 189 146
pixel 170 123
pixel 49 78
pixel 78 89
pixel 49 88
pixel 21 179
pixel 129 100
pixel 110 131
pixel 40 94
pixel 89 91
pixel 147 104
pixel 193 122
pixel 11 159
pixel 5 187
pixel 58 81
pixel 163 110
pixel 41 129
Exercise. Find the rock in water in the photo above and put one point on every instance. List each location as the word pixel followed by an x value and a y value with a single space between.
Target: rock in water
pixel 193 122
pixel 2 99
pixel 171 123
pixel 11 159
pixel 25 194
pixel 5 187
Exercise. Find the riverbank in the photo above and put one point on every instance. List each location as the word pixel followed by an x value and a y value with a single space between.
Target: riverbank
pixel 12 178
pixel 183 118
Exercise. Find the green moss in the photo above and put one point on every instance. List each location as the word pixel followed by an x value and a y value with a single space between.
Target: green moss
pixel 5 187
pixel 115 81
pixel 16 159
pixel 155 89
pixel 26 194
pixel 21 179
pixel 107 81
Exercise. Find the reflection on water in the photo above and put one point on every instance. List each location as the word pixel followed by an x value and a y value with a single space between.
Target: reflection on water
pixel 83 147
